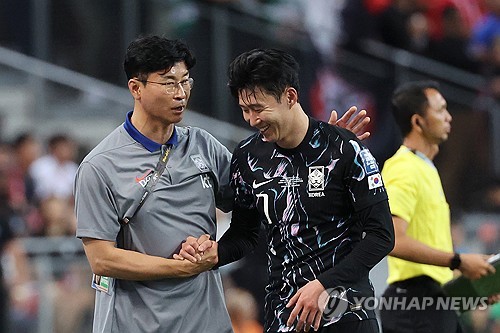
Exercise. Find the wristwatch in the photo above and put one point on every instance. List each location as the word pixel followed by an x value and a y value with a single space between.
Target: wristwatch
pixel 455 262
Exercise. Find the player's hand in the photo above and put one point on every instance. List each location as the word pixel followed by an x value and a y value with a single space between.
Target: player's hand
pixel 193 248
pixel 356 125
pixel 208 259
pixel 475 266
pixel 306 309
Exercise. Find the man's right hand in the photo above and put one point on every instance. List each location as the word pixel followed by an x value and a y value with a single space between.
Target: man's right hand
pixel 193 249
pixel 475 266
pixel 356 125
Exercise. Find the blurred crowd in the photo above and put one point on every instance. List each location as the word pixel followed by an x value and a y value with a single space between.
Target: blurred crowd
pixel 36 191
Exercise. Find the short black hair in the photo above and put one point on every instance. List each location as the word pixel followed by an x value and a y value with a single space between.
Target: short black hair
pixel 272 70
pixel 148 54
pixel 408 99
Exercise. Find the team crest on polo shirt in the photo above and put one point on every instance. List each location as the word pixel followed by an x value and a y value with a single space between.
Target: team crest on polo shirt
pixel 316 181
pixel 200 163
pixel 369 162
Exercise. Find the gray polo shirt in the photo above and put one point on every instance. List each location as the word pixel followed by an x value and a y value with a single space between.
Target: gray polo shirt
pixel 110 181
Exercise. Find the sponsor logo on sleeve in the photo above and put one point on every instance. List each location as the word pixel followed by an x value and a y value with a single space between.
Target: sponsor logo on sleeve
pixel 369 163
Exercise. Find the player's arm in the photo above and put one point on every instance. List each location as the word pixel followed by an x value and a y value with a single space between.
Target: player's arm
pixel 107 260
pixel 377 243
pixel 239 239
pixel 472 266
pixel 356 124
pixel 373 247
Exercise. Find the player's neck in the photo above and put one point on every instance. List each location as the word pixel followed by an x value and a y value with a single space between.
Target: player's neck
pixel 296 132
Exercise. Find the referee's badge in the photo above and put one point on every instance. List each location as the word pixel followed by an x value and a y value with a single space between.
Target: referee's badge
pixel 200 164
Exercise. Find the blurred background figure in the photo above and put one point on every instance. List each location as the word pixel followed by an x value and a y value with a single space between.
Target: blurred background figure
pixel 53 176
pixel 54 173
pixel 242 309
pixel 18 299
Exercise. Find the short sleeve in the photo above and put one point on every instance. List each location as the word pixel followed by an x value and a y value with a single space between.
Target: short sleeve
pixel 94 205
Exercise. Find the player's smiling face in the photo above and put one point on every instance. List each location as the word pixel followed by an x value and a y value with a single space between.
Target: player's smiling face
pixel 265 113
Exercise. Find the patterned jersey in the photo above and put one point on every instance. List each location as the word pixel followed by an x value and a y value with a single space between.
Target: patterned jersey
pixel 308 198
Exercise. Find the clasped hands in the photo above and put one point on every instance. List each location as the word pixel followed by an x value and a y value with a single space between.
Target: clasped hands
pixel 198 250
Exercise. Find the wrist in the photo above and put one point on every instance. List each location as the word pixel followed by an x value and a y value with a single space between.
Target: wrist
pixel 455 262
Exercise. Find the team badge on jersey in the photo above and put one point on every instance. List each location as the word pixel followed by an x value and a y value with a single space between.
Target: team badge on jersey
pixel 316 181
pixel 374 181
pixel 369 162
pixel 316 178
pixel 200 164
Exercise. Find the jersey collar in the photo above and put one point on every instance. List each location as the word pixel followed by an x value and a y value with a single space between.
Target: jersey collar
pixel 147 143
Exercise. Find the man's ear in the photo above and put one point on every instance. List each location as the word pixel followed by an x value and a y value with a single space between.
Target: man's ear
pixel 291 96
pixel 417 122
pixel 135 88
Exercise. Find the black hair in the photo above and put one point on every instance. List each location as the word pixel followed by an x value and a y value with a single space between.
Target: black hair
pixel 149 54
pixel 271 70
pixel 409 99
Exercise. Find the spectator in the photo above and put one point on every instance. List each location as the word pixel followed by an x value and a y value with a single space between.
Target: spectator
pixel 53 174
pixel 242 309
pixel 26 150
pixel 452 46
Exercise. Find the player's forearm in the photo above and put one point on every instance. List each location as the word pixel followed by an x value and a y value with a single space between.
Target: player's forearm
pixel 241 238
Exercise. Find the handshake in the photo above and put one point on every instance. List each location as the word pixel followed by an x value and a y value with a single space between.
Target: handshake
pixel 201 251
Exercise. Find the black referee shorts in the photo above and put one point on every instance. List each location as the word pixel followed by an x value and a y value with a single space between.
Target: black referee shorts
pixel 423 319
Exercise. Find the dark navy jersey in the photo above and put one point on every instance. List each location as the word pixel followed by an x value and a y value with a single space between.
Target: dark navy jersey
pixel 308 198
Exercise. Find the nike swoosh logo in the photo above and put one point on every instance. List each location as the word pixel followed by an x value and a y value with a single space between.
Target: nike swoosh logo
pixel 257 185
pixel 138 179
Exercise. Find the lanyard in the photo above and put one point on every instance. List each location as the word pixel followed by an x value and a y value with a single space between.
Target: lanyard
pixel 160 167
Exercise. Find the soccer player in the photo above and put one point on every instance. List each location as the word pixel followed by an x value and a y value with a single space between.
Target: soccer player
pixel 318 191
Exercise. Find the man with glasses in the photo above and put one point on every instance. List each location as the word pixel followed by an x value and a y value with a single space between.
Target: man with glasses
pixel 141 191
pixel 146 187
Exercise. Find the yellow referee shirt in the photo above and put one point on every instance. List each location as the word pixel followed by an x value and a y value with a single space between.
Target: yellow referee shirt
pixel 416 195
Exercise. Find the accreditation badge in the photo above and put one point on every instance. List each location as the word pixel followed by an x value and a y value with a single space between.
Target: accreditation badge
pixel 102 283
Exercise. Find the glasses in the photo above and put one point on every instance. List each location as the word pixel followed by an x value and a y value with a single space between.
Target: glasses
pixel 171 86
